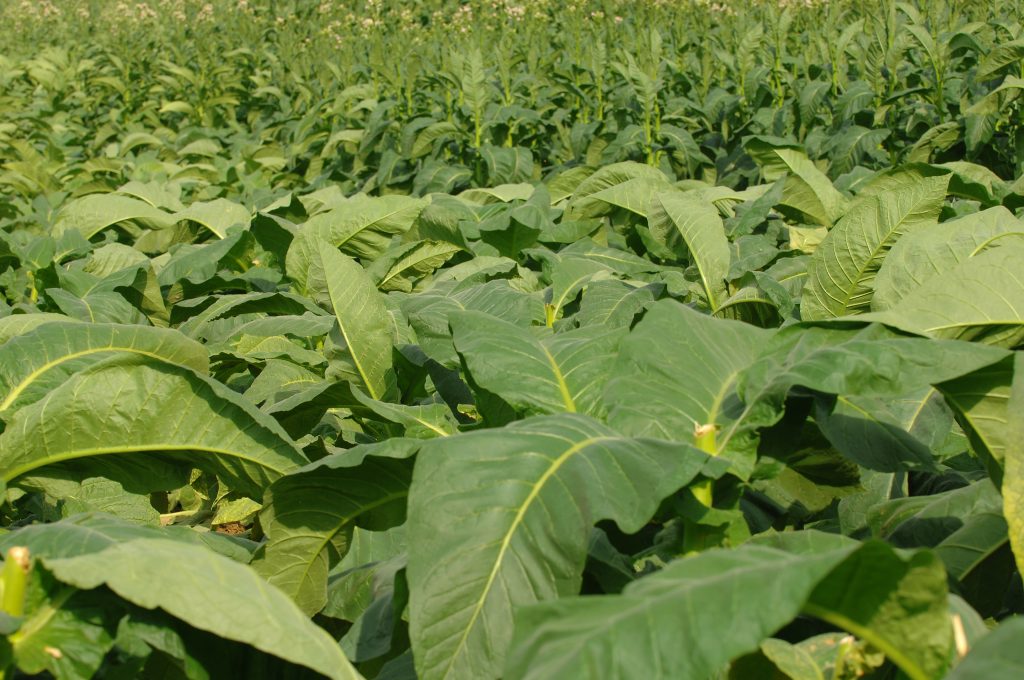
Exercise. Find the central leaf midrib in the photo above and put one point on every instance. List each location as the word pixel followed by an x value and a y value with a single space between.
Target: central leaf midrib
pixel 31 377
pixel 563 387
pixel 87 452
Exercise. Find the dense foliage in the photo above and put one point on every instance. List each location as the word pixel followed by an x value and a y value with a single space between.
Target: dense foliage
pixel 540 340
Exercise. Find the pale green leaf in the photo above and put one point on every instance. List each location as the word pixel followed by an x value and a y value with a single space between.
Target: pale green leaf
pixel 842 270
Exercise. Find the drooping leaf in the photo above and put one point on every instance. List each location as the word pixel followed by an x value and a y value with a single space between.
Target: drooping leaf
pixel 691 226
pixel 309 516
pixel 93 213
pixel 363 318
pixel 981 299
pixel 806 188
pixel 473 560
pixel 900 609
pixel 209 592
pixel 535 372
pixel 34 363
pixel 105 417
pixel 667 389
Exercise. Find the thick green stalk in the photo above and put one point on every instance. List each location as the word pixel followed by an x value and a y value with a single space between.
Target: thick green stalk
pixel 698 537
pixel 704 439
pixel 14 580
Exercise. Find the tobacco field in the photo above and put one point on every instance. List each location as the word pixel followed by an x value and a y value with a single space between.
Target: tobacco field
pixel 512 339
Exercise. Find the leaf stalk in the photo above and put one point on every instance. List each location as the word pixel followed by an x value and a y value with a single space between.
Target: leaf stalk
pixel 14 580
pixel 704 439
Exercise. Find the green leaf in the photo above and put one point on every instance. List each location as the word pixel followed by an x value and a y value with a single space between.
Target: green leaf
pixel 107 495
pixel 842 270
pixel 688 225
pixel 867 364
pixel 806 188
pixel 422 421
pixel 614 304
pixel 662 389
pixel 924 255
pixel 310 514
pixel 217 215
pixel 92 532
pixel 503 193
pixel 569 277
pixel 20 324
pixel 77 624
pixel 793 660
pixel 809 190
pixel 112 258
pixel 981 299
pixel 872 361
pixel 428 312
pixel 197 263
pixel 107 415
pixel 507 165
pixel 209 592
pixel 34 363
pixel 1001 56
pixel 93 213
pixel 534 371
pixel 927 521
pixel 410 262
pixel 633 195
pixel 198 316
pixel 981 401
pixel 96 307
pixel 486 508
pixel 887 434
pixel 363 318
pixel 362 226
pixel 900 608
pixel 279 379
pixel 426 138
pixel 372 561
pixel 1013 458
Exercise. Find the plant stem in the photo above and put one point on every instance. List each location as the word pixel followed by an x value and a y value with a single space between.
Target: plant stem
pixel 15 579
pixel 704 439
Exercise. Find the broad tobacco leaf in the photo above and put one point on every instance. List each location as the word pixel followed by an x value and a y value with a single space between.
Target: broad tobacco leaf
pixel 684 622
pixel 502 518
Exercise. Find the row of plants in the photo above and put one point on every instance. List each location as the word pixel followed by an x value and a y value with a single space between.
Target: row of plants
pixel 596 340
pixel 608 424
pixel 253 102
